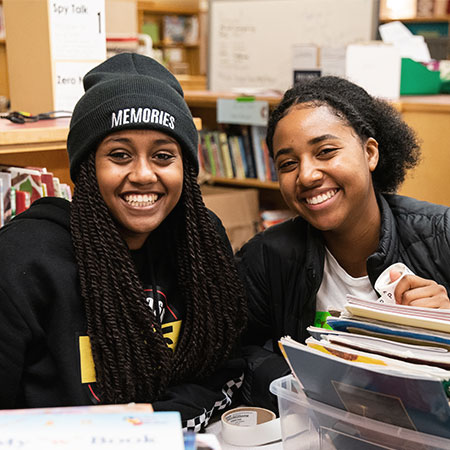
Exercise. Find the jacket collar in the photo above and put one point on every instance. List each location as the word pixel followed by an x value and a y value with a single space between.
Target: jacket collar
pixel 387 252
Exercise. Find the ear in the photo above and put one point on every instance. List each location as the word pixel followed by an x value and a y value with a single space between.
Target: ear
pixel 371 149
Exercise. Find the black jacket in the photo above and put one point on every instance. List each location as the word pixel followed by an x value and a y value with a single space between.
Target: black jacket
pixel 282 269
pixel 43 324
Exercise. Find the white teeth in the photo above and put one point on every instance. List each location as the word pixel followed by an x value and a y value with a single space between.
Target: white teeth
pixel 141 199
pixel 321 197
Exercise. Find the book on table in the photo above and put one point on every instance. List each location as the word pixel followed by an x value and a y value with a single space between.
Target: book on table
pixel 132 426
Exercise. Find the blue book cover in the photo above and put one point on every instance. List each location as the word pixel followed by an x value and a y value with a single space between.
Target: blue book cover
pixel 401 334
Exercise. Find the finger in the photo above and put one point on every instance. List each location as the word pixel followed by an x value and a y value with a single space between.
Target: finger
pixel 411 283
pixel 394 275
pixel 433 302
pixel 422 292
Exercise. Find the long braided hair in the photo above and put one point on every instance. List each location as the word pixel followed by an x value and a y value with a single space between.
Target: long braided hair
pixel 132 360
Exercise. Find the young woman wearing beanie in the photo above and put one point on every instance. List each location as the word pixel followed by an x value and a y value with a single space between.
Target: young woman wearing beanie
pixel 340 155
pixel 129 293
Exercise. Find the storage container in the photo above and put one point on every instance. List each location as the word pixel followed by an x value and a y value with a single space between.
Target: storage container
pixel 308 424
pixel 416 79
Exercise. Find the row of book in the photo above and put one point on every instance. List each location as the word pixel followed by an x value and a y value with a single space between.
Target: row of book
pixel 386 362
pixel 21 186
pixel 176 29
pixel 237 152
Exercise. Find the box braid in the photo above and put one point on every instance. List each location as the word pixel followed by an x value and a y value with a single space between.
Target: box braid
pixel 132 360
pixel 216 310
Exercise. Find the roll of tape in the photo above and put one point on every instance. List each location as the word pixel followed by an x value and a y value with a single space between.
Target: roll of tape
pixel 385 287
pixel 249 426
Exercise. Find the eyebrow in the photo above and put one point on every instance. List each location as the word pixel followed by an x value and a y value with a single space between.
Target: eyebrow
pixel 161 141
pixel 313 141
pixel 324 137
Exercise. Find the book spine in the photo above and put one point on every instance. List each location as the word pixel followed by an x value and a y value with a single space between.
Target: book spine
pixel 248 149
pixel 225 153
pixel 260 167
pixel 239 163
pixel 216 155
pixel 209 151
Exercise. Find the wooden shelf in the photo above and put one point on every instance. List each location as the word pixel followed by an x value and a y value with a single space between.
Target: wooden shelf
pixel 161 7
pixel 193 54
pixel 39 144
pixel 192 82
pixel 418 19
pixel 209 99
pixel 247 182
pixel 176 45
pixel 44 135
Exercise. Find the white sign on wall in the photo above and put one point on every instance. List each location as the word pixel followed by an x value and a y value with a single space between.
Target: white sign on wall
pixel 68 87
pixel 78 43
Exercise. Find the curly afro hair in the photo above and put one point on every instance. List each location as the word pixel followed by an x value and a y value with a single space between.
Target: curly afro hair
pixel 398 146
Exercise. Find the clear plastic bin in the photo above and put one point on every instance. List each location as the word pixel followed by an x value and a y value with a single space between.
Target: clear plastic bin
pixel 308 424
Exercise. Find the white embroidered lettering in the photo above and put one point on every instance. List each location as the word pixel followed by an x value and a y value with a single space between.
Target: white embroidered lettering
pixel 136 115
pixel 146 115
pixel 155 115
pixel 172 122
pixel 116 120
pixel 126 116
pixel 166 119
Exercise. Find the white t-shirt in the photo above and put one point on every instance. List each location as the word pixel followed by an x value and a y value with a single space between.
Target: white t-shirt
pixel 337 283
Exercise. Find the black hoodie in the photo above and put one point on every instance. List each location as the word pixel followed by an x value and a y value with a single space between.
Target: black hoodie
pixel 44 359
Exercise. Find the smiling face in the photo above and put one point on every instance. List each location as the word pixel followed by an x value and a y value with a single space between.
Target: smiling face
pixel 324 169
pixel 140 177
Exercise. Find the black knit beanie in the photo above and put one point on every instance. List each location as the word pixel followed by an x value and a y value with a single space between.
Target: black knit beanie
pixel 129 91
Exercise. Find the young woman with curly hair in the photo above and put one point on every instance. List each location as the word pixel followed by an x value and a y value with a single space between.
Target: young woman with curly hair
pixel 129 293
pixel 340 155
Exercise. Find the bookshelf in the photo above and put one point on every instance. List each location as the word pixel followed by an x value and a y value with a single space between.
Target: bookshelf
pixel 427 115
pixel 203 104
pixel 177 29
pixel 37 144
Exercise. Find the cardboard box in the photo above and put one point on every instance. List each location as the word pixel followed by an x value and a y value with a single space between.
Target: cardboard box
pixel 238 209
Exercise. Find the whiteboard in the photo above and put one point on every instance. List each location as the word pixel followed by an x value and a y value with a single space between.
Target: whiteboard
pixel 251 41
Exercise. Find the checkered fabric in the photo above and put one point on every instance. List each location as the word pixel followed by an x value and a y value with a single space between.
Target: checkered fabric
pixel 201 421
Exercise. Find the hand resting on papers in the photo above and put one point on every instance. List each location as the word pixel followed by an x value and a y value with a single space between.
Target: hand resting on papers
pixel 416 291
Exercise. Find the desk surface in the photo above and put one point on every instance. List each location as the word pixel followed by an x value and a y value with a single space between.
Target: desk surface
pixel 54 130
pixel 432 103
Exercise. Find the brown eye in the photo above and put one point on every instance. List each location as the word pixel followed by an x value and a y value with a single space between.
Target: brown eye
pixel 286 165
pixel 119 155
pixel 327 151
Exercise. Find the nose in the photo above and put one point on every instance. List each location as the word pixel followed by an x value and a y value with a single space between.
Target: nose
pixel 309 174
pixel 142 172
